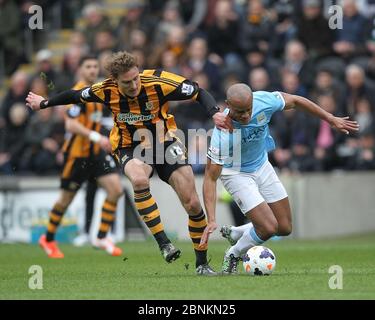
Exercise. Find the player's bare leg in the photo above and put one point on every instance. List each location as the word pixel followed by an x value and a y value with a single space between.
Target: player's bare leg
pixel 182 181
pixel 112 185
pixel 139 176
pixel 47 241
pixel 283 215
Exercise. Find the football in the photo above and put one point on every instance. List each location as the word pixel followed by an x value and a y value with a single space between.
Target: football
pixel 259 260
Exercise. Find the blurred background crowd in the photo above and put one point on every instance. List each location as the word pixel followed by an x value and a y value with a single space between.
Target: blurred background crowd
pixel 284 45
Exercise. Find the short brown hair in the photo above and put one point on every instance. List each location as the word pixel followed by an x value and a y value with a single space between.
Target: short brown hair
pixel 120 62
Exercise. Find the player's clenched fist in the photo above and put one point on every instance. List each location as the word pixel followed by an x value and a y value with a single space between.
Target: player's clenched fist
pixel 33 101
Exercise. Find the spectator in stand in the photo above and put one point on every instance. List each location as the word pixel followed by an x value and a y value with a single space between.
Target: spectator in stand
pixel 79 40
pixel 10 35
pixel 294 136
pixel 363 157
pixel 285 28
pixel 290 84
pixel 326 84
pixel 44 138
pixel 364 115
pixel 326 138
pixel 256 58
pixel 350 40
pixel 357 87
pixel 192 13
pixel 67 76
pixel 135 18
pixel 257 28
pixel 12 140
pixel 170 18
pixel 313 30
pixel 104 41
pixel 197 61
pixel 169 62
pixel 222 34
pixel 296 60
pixel 103 59
pixel 94 21
pixel 46 71
pixel 19 87
pixel 259 80
pixel 175 43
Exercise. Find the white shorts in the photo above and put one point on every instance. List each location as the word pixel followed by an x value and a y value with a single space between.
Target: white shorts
pixel 251 189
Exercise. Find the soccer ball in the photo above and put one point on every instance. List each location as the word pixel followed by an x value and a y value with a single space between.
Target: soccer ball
pixel 259 261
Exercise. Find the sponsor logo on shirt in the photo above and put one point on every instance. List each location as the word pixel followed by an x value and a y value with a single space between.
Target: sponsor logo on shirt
pixel 254 134
pixel 132 118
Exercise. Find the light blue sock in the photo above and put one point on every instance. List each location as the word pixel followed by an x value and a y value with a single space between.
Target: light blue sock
pixel 249 239
pixel 237 232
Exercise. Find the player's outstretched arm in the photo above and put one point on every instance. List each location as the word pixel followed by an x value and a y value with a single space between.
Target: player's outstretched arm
pixel 341 124
pixel 211 175
pixel 37 102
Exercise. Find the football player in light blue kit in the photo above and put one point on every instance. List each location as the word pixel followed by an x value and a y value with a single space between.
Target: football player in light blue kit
pixel 240 159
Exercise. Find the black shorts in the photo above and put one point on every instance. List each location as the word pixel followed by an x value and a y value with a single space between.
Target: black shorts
pixel 165 158
pixel 78 170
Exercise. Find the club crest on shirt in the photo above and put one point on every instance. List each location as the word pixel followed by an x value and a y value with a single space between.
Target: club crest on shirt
pixel 149 105
pixel 261 118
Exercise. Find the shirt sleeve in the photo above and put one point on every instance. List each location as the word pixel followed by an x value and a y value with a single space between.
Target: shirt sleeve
pixel 94 93
pixel 184 91
pixel 276 101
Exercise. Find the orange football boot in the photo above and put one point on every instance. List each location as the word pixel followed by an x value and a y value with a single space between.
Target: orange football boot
pixel 50 248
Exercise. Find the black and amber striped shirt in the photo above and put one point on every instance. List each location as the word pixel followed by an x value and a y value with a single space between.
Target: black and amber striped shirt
pixel 89 114
pixel 144 111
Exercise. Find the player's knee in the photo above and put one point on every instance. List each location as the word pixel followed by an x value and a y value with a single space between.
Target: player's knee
pixel 192 205
pixel 140 182
pixel 285 229
pixel 270 228
pixel 115 193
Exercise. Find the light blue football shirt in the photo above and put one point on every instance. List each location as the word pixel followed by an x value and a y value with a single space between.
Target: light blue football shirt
pixel 246 149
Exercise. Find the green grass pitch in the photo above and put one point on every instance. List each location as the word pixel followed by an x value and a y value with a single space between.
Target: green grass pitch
pixel 85 273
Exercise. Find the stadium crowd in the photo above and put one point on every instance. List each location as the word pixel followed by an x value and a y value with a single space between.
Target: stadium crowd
pixel 284 45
